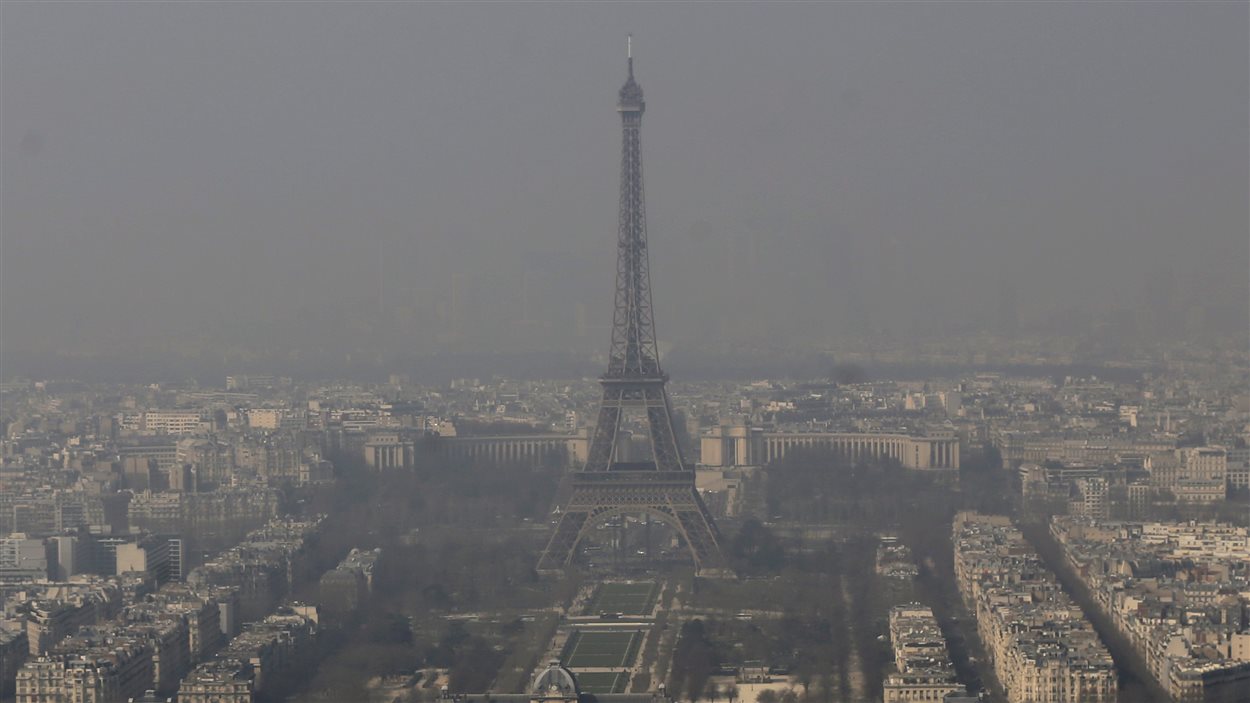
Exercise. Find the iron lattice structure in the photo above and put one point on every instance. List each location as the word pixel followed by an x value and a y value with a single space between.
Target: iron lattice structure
pixel 663 487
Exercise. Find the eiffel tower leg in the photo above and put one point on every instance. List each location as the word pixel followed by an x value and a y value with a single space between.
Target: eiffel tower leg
pixel 701 536
pixel 683 528
pixel 693 532
pixel 603 442
pixel 660 421
pixel 559 551
pixel 681 510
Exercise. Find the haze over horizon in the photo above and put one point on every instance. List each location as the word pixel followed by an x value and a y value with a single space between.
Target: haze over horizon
pixel 236 179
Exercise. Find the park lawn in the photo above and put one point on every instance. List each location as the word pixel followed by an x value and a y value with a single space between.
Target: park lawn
pixel 602 682
pixel 612 649
pixel 624 598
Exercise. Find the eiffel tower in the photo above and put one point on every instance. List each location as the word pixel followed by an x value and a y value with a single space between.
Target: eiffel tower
pixel 663 487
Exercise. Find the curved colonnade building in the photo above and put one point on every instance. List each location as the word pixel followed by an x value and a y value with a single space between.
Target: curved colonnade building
pixel 398 449
pixel 727 446
pixel 730 446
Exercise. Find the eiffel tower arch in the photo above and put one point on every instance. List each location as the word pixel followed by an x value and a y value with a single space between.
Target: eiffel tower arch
pixel 662 487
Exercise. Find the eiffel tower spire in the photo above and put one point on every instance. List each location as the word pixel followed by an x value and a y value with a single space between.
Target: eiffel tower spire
pixel 662 487
pixel 634 351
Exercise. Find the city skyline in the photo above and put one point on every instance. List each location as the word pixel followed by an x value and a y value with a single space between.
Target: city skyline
pixel 310 391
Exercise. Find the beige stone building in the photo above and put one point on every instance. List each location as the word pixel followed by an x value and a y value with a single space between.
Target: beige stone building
pixel 922 667
pixel 398 449
pixel 1042 647
pixel 739 445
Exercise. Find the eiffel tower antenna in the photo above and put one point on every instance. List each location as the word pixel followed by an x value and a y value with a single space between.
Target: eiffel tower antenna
pixel 662 488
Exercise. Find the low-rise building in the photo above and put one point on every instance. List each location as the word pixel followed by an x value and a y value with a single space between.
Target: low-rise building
pixel 1041 645
pixel 218 681
pixel 13 653
pixel 96 668
pixel 922 668
pixel 1178 594
pixel 346 586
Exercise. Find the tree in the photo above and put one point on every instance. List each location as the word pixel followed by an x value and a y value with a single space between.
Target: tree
pixel 392 629
pixel 731 692
pixel 768 695
pixel 825 687
pixel 755 549
pixel 805 674
pixel 847 373
pixel 693 661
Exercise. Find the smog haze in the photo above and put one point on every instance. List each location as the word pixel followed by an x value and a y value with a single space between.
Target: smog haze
pixel 238 183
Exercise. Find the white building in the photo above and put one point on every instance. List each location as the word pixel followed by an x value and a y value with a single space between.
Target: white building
pixel 274 419
pixel 22 559
pixel 180 422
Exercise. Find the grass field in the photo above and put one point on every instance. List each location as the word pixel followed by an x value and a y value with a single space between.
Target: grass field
pixel 626 598
pixel 599 683
pixel 612 649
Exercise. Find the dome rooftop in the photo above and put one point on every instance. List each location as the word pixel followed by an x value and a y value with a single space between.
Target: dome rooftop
pixel 555 682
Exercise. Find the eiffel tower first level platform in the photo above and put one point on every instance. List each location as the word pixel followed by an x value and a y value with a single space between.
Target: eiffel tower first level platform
pixel 662 487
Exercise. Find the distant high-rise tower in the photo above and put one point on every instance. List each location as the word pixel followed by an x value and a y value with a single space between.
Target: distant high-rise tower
pixel 662 487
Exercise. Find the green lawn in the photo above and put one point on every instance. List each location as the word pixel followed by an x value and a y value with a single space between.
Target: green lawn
pixel 613 649
pixel 625 598
pixel 600 683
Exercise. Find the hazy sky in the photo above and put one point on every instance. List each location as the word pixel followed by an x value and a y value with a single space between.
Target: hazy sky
pixel 236 175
